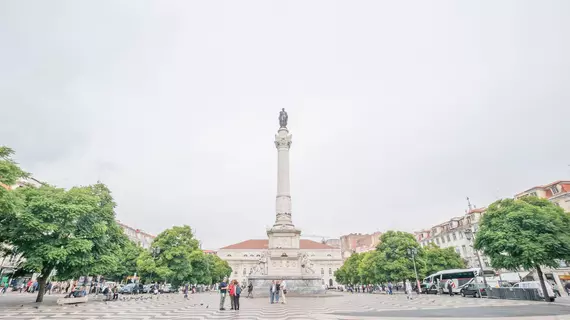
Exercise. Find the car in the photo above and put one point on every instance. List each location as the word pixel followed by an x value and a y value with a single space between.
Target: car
pixel 147 288
pixel 536 285
pixel 429 288
pixel 475 290
pixel 131 288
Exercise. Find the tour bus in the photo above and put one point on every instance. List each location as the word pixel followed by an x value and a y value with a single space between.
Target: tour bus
pixel 437 282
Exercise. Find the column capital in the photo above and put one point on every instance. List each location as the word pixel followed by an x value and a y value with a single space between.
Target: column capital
pixel 283 139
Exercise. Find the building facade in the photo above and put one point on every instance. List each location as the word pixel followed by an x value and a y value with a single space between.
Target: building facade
pixel 557 192
pixel 137 236
pixel 245 256
pixel 452 234
pixel 358 242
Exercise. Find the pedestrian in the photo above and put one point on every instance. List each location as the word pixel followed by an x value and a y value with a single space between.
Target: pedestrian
pixel 272 291
pixel 237 293
pixel 390 287
pixel 283 286
pixel 250 290
pixel 223 287
pixel 277 291
pixel 48 288
pixel 186 291
pixel 567 287
pixel 450 287
pixel 232 291
pixel 408 287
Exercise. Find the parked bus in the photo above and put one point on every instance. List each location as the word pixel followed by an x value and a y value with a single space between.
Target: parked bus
pixel 437 282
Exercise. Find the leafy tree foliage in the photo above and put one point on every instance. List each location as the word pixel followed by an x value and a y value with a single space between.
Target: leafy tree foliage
pixel 348 273
pixel 71 231
pixel 524 233
pixel 437 259
pixel 127 259
pixel 394 263
pixel 218 268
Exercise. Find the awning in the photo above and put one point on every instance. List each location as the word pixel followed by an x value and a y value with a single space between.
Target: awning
pixel 564 277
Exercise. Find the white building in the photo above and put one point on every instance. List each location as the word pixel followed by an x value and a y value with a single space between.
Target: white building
pixel 243 257
pixel 452 234
pixel 137 236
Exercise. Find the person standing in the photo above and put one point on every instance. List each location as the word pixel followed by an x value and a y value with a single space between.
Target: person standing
pixel 186 291
pixel 567 287
pixel 272 291
pixel 283 286
pixel 277 289
pixel 450 287
pixel 223 287
pixel 390 287
pixel 237 293
pixel 232 291
pixel 250 290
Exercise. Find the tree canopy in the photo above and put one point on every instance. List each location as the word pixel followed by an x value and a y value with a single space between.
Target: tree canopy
pixel 524 233
pixel 391 261
pixel 72 231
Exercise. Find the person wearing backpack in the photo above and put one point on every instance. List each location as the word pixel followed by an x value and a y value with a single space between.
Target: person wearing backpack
pixel 236 294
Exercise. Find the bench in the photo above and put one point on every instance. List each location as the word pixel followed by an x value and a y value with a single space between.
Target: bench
pixel 71 300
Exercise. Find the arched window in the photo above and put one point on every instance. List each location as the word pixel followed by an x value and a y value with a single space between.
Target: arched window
pixel 228 255
pixel 330 273
pixel 284 254
pixel 330 283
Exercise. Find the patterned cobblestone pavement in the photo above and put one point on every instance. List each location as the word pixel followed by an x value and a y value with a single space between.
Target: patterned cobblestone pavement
pixel 339 306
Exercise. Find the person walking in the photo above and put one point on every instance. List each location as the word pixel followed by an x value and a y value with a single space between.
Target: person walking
pixel 237 293
pixel 408 286
pixel 223 287
pixel 567 287
pixel 283 286
pixel 390 287
pixel 272 292
pixel 231 289
pixel 250 290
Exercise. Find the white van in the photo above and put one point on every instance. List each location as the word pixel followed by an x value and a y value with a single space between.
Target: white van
pixel 536 285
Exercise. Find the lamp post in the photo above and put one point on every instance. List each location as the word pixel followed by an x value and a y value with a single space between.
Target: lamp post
pixel 154 252
pixel 469 236
pixel 413 252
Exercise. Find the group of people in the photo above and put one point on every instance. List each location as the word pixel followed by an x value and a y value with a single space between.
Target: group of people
pixel 234 289
pixel 277 290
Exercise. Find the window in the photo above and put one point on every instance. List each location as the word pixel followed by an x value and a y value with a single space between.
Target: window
pixel 442 239
pixel 322 271
pixel 464 249
pixel 454 237
pixel 448 238
pixel 554 189
pixel 228 255
pixel 245 255
pixel 533 194
pixel 437 240
pixel 322 281
pixel 244 271
pixel 458 251
pixel 330 271
pixel 235 273
pixel 460 235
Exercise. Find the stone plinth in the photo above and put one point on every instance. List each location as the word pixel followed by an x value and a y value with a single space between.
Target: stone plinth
pixel 296 285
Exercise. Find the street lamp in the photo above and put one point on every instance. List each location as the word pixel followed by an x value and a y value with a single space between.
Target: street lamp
pixel 469 236
pixel 413 252
pixel 154 252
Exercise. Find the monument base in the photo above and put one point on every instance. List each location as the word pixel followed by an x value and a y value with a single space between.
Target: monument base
pixel 296 285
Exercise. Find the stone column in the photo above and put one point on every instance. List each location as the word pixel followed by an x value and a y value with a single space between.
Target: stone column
pixel 283 201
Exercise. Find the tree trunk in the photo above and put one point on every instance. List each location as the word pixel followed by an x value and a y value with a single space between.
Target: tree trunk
pixel 41 287
pixel 542 284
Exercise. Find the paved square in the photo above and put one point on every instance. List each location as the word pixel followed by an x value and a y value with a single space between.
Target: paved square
pixel 335 306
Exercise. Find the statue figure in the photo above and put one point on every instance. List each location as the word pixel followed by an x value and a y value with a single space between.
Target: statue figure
pixel 306 264
pixel 260 267
pixel 283 117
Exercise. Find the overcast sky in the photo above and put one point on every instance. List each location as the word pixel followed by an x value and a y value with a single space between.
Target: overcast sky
pixel 398 109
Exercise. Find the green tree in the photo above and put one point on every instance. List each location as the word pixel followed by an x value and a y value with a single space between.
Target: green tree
pixel 218 268
pixel 393 262
pixel 127 261
pixel 524 233
pixel 437 259
pixel 175 248
pixel 367 267
pixel 349 273
pixel 71 231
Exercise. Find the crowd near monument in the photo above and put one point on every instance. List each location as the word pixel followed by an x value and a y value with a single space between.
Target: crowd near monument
pixel 307 266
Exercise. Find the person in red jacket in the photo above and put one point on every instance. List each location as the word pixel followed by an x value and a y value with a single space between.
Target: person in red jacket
pixel 232 289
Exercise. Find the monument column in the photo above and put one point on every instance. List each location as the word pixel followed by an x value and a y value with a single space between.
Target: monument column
pixel 283 200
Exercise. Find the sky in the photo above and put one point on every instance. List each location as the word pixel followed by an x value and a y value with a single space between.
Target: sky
pixel 399 110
